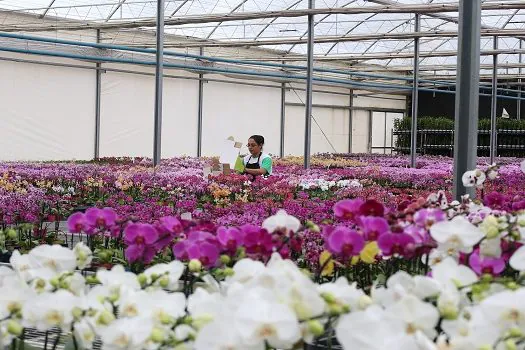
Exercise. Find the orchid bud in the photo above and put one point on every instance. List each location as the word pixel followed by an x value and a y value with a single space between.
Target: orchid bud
pixel 486 278
pixel 195 265
pixel 105 318
pixel 77 313
pixel 55 282
pixel 364 302
pixel 225 259
pixel 449 312
pixel 316 328
pixel 157 335
pixel 510 344
pixel 113 298
pixel 164 281
pixel 335 309
pixel 486 347
pixel 92 280
pixel 515 332
pixel 14 328
pixel 229 271
pixel 14 307
pixel 143 279
pixel 328 297
pixel 11 234
pixel 166 319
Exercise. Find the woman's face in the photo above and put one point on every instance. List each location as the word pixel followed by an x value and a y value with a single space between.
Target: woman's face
pixel 253 147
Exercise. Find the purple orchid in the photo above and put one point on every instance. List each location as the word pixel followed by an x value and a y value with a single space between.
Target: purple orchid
pixel 428 217
pixel 257 241
pixel 230 238
pixel 397 244
pixel 207 253
pixel 372 208
pixel 486 265
pixel 76 223
pixel 140 239
pixel 345 242
pixel 170 224
pixel 100 218
pixel 348 209
pixel 373 227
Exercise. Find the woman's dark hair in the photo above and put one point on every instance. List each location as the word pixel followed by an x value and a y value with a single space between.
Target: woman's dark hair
pixel 258 139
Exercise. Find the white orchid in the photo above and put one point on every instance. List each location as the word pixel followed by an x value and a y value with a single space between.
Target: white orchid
pixel 24 265
pixel 117 277
pixel 84 334
pixel 13 294
pixel 490 248
pixel 473 178
pixel 127 333
pixel 416 315
pixel 54 257
pixel 220 334
pixel 517 260
pixel 449 272
pixel 344 294
pixel 457 233
pixel 245 270
pixel 401 284
pixel 258 319
pixel 522 166
pixel 281 221
pixel 374 329
pixel 204 306
pixel 167 275
pixel 48 310
pixel 83 254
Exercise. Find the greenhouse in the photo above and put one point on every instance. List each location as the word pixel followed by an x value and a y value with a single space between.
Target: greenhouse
pixel 262 174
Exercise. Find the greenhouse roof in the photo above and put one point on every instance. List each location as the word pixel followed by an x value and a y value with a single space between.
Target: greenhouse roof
pixel 376 32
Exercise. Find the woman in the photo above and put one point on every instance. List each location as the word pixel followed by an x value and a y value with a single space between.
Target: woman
pixel 257 163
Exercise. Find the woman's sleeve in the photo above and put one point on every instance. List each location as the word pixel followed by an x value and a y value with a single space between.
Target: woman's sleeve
pixel 267 165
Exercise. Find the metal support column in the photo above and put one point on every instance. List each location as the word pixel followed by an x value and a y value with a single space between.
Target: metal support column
pixel 97 104
pixel 159 70
pixel 199 110
pixel 308 102
pixel 467 95
pixel 350 121
pixel 415 95
pixel 283 116
pixel 518 113
pixel 370 126
pixel 494 109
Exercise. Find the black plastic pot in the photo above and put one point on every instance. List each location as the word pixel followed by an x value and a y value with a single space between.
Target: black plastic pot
pixel 4 257
pixel 323 344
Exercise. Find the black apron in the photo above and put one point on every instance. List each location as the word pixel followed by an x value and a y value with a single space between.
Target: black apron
pixel 253 165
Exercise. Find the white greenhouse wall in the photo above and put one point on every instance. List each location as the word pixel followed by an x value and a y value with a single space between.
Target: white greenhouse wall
pixel 240 111
pixel 127 106
pixel 47 112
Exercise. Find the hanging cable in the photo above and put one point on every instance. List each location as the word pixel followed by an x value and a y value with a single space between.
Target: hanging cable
pixel 316 123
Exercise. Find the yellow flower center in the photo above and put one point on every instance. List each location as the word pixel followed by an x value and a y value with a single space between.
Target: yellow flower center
pixel 267 331
pixel 54 317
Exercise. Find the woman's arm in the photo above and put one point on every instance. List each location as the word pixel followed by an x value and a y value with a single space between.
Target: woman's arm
pixel 255 171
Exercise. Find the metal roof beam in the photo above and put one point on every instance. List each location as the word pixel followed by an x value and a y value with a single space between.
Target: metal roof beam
pixel 47 9
pixel 119 5
pixel 349 38
pixel 243 16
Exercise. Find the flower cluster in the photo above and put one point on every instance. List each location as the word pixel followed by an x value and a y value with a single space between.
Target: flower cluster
pixel 256 305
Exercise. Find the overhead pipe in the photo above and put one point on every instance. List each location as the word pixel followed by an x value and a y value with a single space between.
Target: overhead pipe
pixel 345 83
pixel 223 60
